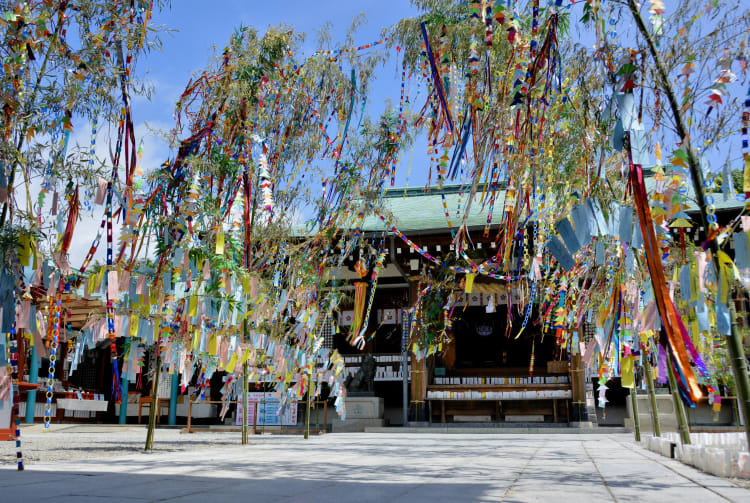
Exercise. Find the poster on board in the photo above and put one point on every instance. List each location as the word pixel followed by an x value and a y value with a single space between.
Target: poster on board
pixel 268 412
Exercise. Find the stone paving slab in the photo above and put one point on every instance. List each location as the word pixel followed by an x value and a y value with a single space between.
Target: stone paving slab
pixel 380 467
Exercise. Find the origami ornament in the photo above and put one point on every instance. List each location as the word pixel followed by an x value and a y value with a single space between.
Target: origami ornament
pixel 265 185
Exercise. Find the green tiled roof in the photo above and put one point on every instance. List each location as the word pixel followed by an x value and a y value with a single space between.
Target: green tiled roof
pixel 421 209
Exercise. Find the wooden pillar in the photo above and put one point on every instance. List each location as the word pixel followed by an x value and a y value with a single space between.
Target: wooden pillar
pixel 418 368
pixel 578 388
pixel 418 386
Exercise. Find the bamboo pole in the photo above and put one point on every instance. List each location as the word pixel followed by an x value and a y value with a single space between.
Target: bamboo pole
pixel 734 340
pixel 679 407
pixel 307 414
pixel 152 411
pixel 636 419
pixel 245 408
pixel 246 322
pixel 652 399
pixel 28 122
pixel 738 359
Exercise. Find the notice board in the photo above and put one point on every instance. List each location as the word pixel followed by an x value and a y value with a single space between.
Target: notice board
pixel 268 412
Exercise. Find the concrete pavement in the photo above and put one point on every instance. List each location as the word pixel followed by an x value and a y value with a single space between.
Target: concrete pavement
pixel 381 467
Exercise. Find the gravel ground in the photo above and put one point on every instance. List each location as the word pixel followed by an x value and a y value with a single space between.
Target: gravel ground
pixel 77 442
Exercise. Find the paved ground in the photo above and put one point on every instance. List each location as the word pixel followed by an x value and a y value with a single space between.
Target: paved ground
pixel 374 467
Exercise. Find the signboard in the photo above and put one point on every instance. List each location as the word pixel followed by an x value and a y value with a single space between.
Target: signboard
pixel 268 412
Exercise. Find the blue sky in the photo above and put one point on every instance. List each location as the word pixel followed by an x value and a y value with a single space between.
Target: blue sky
pixel 202 29
pixel 199 30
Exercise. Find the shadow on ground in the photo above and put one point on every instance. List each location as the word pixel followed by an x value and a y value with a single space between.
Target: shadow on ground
pixel 240 484
pixel 377 468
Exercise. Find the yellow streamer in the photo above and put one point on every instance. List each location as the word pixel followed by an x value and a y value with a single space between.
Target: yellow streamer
pixel 727 270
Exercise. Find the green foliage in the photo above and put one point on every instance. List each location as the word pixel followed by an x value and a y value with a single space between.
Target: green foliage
pixel 64 63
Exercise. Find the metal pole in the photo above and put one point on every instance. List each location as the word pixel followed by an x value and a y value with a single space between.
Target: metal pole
pixel 679 407
pixel 307 413
pixel 636 419
pixel 244 400
pixel 652 398
pixel 405 388
pixel 34 378
pixel 317 417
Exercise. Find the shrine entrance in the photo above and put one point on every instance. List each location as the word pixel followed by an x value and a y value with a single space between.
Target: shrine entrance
pixel 497 373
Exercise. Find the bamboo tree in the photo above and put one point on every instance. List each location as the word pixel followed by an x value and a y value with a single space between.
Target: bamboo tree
pixel 245 408
pixel 679 408
pixel 307 409
pixel 734 339
pixel 652 398
pixel 68 53
pixel 636 419
pixel 152 412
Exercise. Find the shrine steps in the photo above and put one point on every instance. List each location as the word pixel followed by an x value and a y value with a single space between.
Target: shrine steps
pixel 500 428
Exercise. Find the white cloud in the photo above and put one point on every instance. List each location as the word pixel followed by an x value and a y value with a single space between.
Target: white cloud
pixel 154 152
